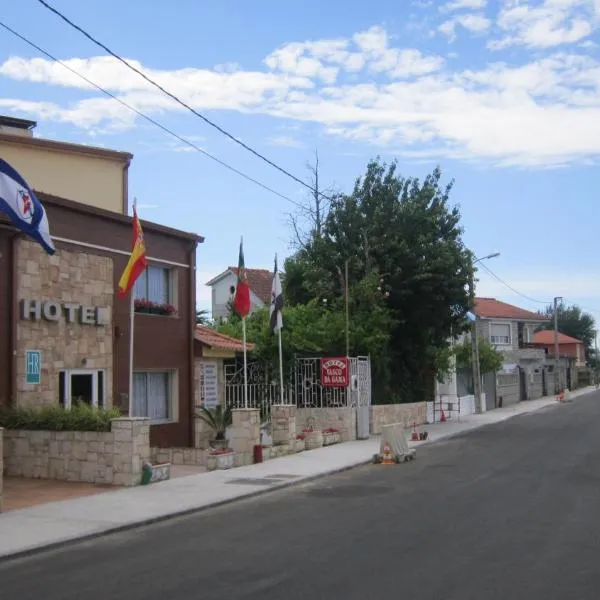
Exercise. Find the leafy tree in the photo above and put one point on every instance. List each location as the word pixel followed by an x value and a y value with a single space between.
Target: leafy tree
pixel 401 233
pixel 490 359
pixel 202 317
pixel 574 322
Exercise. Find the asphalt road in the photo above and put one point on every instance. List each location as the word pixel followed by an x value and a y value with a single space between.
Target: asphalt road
pixel 509 512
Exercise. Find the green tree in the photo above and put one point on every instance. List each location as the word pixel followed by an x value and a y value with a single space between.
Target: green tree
pixel 402 234
pixel 574 322
pixel 490 359
pixel 202 317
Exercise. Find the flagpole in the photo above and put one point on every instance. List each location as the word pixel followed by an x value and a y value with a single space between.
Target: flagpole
pixel 281 367
pixel 131 330
pixel 245 364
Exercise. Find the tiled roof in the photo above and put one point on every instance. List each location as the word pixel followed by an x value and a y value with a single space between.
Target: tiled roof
pixel 490 308
pixel 260 282
pixel 546 337
pixel 214 339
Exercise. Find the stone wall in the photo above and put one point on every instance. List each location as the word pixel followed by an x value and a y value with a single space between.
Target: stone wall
pixel 342 419
pixel 507 388
pixel 113 457
pixel 178 456
pixel 283 424
pixel 407 414
pixel 244 432
pixel 65 277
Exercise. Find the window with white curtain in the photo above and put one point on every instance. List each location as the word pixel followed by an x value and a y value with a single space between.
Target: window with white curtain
pixel 500 334
pixel 154 284
pixel 152 395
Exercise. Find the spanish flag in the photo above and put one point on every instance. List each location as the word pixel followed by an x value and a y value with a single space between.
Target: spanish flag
pixel 137 261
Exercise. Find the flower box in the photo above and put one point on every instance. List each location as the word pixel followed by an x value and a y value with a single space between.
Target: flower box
pixel 220 460
pixel 313 439
pixel 331 436
pixel 300 445
pixel 153 473
pixel 152 308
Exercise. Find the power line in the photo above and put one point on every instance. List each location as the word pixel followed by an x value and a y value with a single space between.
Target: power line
pixel 150 119
pixel 510 287
pixel 178 100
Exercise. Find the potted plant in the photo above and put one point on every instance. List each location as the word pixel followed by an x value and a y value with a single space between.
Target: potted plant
pixel 218 419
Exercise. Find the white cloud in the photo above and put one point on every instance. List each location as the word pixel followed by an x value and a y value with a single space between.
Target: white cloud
pixel 473 22
pixel 545 112
pixel 462 4
pixel 286 141
pixel 544 25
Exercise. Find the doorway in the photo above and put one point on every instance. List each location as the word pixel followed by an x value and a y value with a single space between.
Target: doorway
pixel 82 386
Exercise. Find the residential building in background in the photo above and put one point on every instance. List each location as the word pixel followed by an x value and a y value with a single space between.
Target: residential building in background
pixel 94 176
pixel 223 290
pixel 568 347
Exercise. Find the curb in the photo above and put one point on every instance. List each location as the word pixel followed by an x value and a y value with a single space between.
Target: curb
pixel 259 492
pixel 4 558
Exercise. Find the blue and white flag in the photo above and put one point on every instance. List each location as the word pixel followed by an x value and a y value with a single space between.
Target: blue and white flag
pixel 471 317
pixel 24 209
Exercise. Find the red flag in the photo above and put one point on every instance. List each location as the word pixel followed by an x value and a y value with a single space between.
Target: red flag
pixel 241 301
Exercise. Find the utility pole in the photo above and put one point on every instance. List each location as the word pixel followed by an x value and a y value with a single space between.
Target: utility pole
pixel 596 357
pixel 475 342
pixel 557 378
pixel 346 295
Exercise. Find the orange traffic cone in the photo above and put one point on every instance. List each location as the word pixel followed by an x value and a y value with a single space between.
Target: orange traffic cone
pixel 387 455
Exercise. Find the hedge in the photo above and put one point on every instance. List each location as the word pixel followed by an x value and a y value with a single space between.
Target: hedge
pixel 55 418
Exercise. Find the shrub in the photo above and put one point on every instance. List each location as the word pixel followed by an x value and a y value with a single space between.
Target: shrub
pixel 55 418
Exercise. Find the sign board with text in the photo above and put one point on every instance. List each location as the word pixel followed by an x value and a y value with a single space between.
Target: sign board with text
pixel 335 372
pixel 33 366
pixel 211 384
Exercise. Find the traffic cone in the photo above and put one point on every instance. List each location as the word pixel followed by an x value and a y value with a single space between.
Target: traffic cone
pixel 415 434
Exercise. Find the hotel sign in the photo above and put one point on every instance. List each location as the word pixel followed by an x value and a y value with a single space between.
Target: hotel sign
pixel 71 312
pixel 33 366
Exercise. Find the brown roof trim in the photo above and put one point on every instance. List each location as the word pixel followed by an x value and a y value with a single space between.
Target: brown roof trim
pixel 18 140
pixel 113 216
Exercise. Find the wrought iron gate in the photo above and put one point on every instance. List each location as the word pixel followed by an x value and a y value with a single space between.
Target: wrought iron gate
pixel 302 388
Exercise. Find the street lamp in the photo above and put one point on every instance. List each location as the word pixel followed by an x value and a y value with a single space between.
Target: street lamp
pixel 475 341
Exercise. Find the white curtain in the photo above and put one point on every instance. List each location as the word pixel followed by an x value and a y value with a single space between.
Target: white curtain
pixel 158 396
pixel 139 407
pixel 158 290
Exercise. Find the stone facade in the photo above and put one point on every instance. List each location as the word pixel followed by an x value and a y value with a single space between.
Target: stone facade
pixel 113 458
pixel 65 277
pixel 203 434
pixel 342 419
pixel 244 433
pixel 407 414
pixel 178 456
pixel 283 423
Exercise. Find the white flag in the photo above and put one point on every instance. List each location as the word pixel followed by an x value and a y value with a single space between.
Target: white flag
pixel 22 206
pixel 276 308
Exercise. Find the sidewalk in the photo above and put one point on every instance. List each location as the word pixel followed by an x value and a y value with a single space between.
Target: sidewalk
pixel 26 530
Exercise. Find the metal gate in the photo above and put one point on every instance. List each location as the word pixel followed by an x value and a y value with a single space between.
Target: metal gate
pixel 303 388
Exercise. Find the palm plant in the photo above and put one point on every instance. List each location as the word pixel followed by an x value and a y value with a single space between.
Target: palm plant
pixel 217 418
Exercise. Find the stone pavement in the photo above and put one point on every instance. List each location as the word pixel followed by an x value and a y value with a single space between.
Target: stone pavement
pixel 30 529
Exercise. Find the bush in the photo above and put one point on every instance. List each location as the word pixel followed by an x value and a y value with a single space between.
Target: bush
pixel 55 418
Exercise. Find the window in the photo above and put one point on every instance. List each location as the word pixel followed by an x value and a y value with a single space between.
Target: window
pixel 81 385
pixel 153 290
pixel 500 334
pixel 153 395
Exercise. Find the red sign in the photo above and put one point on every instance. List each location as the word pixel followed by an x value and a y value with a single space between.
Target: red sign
pixel 335 372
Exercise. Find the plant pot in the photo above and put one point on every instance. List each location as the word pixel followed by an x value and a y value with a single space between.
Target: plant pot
pixel 313 439
pixel 423 435
pixel 300 446
pixel 218 444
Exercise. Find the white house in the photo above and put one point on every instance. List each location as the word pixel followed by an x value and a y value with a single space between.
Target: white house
pixel 223 289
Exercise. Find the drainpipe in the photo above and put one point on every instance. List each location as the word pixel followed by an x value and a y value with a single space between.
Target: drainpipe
pixel 14 319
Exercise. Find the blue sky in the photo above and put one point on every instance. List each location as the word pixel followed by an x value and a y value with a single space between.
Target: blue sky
pixel 503 94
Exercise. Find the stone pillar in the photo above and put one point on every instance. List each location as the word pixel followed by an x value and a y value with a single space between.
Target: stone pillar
pixel 283 423
pixel 202 434
pixel 1 468
pixel 245 430
pixel 131 441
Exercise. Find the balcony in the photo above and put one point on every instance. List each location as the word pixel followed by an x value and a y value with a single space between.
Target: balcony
pixel 531 352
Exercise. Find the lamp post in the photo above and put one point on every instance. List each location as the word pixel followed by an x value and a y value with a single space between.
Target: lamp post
pixel 557 378
pixel 475 342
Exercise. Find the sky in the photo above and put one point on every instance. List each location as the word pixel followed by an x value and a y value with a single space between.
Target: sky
pixel 503 95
